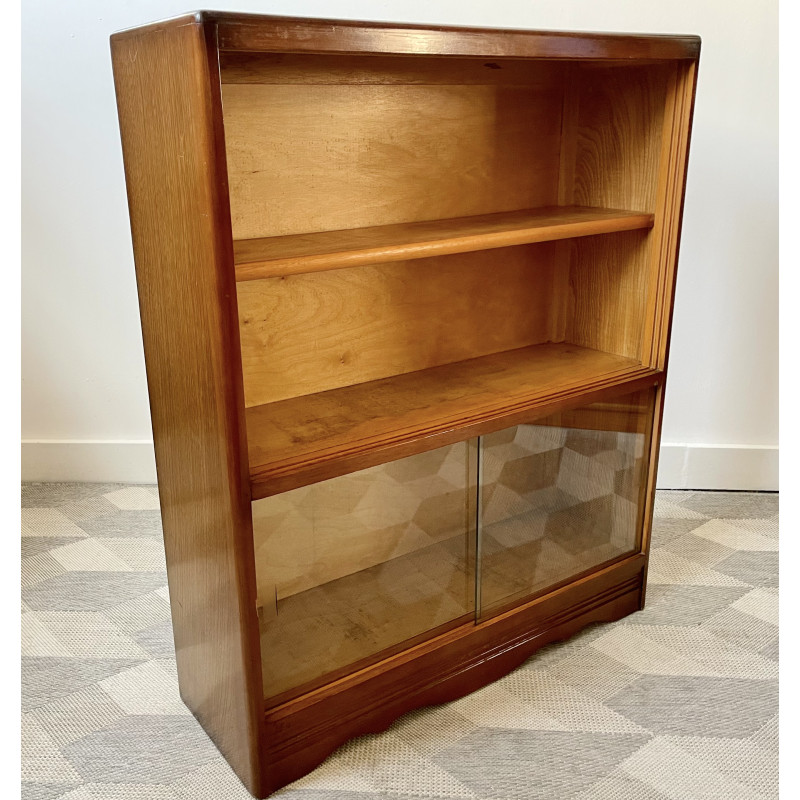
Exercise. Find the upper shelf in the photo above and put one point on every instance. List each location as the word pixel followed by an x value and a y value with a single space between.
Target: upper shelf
pixel 315 252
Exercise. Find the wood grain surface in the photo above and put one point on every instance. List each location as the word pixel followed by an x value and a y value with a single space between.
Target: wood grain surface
pixel 167 91
pixel 305 334
pixel 293 68
pixel 619 121
pixel 250 32
pixel 310 438
pixel 306 158
pixel 316 252
pixel 614 130
pixel 608 285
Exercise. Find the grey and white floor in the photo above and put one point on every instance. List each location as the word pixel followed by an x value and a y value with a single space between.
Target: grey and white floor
pixel 679 701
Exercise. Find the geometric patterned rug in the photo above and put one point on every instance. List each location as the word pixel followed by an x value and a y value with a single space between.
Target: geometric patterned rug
pixel 677 702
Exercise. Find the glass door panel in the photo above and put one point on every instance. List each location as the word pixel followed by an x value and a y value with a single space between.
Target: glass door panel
pixel 560 496
pixel 352 568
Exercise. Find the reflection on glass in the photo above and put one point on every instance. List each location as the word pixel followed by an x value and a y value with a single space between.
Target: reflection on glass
pixel 353 566
pixel 559 496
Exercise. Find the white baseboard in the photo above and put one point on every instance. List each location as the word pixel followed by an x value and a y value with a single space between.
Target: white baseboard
pixel 681 466
pixel 718 466
pixel 67 460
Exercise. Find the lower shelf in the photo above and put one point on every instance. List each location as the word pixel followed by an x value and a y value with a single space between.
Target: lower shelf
pixel 358 618
pixel 294 442
pixel 363 618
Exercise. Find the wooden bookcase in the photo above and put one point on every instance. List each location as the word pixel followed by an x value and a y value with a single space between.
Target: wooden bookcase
pixel 406 297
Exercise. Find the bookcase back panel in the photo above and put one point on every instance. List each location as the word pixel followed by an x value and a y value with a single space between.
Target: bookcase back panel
pixel 314 157
pixel 309 333
pixel 352 566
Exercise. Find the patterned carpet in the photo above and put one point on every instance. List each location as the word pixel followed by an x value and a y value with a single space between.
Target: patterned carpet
pixel 679 701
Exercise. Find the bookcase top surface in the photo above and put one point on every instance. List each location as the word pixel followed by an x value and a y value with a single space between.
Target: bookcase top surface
pixel 268 33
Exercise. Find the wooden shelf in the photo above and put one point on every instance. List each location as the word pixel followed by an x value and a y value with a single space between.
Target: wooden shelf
pixel 316 252
pixel 305 439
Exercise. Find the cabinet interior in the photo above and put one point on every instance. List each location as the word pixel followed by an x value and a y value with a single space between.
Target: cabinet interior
pixel 424 247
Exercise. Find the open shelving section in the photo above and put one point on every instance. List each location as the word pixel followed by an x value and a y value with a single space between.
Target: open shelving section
pixel 324 434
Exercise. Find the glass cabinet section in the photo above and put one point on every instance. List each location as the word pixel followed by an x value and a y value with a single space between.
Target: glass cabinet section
pixel 560 496
pixel 352 568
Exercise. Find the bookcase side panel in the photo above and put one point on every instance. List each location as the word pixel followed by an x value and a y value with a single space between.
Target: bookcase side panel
pixel 671 182
pixel 168 101
pixel 626 144
pixel 617 123
pixel 664 264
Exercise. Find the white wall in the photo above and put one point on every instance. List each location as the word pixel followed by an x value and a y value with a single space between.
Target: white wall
pixel 85 410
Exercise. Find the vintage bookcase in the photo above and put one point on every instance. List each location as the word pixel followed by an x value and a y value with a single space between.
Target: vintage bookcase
pixel 405 297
